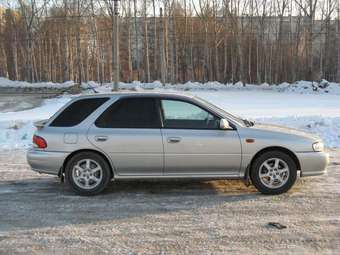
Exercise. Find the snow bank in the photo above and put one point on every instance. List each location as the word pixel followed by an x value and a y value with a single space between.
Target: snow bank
pixel 6 83
pixel 16 134
pixel 321 87
pixel 300 87
pixel 327 128
pixel 16 128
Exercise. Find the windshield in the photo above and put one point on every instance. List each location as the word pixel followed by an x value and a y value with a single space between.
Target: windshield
pixel 239 120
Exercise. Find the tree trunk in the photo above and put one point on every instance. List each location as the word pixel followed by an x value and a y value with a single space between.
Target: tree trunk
pixel 161 48
pixel 155 43
pixel 136 39
pixel 146 45
pixel 171 47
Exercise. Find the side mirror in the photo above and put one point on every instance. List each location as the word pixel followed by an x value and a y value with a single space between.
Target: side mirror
pixel 224 124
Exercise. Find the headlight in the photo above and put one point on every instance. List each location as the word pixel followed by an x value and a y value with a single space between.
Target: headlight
pixel 318 146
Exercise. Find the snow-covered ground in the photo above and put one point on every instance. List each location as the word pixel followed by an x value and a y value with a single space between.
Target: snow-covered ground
pixel 6 83
pixel 321 87
pixel 300 87
pixel 314 107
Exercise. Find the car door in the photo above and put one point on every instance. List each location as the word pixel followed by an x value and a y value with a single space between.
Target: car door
pixel 193 142
pixel 129 132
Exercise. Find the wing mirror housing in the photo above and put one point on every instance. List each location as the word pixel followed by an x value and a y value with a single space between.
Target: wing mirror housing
pixel 225 125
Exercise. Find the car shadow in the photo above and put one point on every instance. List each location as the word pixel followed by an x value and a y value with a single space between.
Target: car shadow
pixel 178 186
pixel 45 202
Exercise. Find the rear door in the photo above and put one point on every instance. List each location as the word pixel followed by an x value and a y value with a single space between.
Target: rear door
pixel 194 144
pixel 129 132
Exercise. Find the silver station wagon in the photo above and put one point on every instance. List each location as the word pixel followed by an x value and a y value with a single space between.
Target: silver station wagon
pixel 133 135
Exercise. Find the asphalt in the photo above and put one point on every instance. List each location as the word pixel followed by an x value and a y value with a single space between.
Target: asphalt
pixel 40 215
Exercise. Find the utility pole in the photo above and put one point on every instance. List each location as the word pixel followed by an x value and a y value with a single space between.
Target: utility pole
pixel 115 38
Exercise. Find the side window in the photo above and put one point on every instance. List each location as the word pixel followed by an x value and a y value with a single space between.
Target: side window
pixel 183 115
pixel 130 113
pixel 77 112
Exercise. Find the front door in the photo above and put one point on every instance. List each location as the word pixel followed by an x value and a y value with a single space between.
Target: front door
pixel 129 132
pixel 194 144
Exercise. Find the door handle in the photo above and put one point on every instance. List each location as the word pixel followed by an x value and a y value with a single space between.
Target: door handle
pixel 100 138
pixel 174 139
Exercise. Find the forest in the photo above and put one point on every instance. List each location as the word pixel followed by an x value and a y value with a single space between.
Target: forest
pixel 175 41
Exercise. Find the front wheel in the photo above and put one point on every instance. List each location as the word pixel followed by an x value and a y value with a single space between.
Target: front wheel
pixel 87 173
pixel 273 172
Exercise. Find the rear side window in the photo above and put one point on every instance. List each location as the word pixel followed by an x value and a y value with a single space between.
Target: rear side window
pixel 77 112
pixel 131 113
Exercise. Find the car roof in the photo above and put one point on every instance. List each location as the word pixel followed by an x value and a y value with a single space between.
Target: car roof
pixel 140 94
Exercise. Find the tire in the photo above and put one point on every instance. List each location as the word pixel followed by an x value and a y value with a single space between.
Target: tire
pixel 87 173
pixel 270 177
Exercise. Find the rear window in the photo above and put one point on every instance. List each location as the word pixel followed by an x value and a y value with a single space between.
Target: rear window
pixel 77 112
pixel 130 113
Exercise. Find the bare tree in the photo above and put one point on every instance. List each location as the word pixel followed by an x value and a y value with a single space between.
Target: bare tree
pixel 198 40
pixel 146 44
pixel 31 11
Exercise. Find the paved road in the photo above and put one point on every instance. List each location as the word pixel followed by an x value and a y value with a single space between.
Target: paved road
pixel 39 215
pixel 19 103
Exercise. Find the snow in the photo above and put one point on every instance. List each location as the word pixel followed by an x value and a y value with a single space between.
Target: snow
pixel 44 111
pixel 6 83
pixel 16 128
pixel 313 107
pixel 327 128
pixel 300 87
pixel 304 87
pixel 258 104
pixel 315 113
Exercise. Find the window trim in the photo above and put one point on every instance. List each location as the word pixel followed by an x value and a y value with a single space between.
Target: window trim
pixel 188 102
pixel 159 119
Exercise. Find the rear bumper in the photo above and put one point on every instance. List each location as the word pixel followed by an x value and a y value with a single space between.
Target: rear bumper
pixel 47 162
pixel 313 163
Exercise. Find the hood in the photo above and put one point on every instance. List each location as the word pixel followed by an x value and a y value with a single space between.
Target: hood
pixel 285 130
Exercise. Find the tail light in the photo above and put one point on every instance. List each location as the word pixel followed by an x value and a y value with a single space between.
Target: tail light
pixel 39 142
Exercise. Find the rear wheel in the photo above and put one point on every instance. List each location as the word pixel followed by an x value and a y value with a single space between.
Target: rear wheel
pixel 273 172
pixel 87 173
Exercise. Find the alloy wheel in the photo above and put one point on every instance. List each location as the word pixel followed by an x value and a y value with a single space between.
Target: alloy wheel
pixel 87 174
pixel 274 173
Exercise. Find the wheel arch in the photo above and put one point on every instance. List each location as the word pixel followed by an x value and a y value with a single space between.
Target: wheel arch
pixel 276 148
pixel 62 170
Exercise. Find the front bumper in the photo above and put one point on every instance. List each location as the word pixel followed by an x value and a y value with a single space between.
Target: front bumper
pixel 48 162
pixel 313 163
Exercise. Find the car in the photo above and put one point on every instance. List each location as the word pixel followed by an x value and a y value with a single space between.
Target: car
pixel 97 138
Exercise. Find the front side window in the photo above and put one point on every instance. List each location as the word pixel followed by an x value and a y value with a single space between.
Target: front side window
pixel 184 115
pixel 130 113
pixel 77 111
